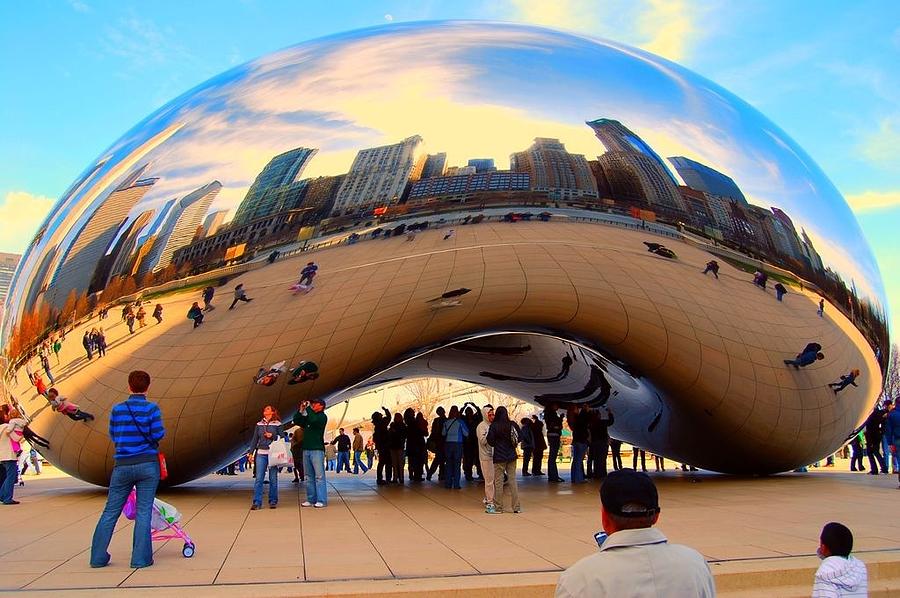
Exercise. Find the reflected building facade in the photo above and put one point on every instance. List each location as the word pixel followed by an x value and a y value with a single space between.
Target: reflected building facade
pixel 555 298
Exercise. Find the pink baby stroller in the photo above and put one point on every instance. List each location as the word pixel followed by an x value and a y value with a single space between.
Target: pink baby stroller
pixel 164 520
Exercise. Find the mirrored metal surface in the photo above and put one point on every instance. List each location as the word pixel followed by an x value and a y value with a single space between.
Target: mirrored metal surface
pixel 565 219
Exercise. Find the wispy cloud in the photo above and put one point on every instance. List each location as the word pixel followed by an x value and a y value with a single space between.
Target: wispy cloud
pixel 21 213
pixel 665 27
pixel 880 146
pixel 870 201
pixel 79 6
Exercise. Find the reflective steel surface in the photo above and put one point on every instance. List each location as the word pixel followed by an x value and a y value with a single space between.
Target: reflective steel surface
pixel 525 209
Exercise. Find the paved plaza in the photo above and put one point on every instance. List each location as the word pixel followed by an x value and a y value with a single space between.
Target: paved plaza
pixel 422 537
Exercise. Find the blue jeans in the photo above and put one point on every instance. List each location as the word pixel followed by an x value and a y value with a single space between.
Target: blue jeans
pixel 10 473
pixel 357 462
pixel 453 453
pixel 343 461
pixel 579 449
pixel 262 465
pixel 890 459
pixel 314 468
pixel 144 477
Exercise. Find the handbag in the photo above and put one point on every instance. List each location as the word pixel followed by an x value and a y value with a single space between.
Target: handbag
pixel 279 454
pixel 163 470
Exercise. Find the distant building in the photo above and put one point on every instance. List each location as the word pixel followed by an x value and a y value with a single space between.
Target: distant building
pixel 266 230
pixel 89 245
pixel 321 193
pixel 793 239
pixel 434 165
pixel 554 170
pixel 629 161
pixel 462 187
pixel 267 193
pixel 809 250
pixel 213 222
pixel 8 264
pixel 379 176
pixel 703 178
pixel 459 170
pixel 482 164
pixel 179 227
pixel 119 255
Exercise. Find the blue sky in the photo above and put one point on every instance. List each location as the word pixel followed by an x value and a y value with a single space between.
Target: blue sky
pixel 76 75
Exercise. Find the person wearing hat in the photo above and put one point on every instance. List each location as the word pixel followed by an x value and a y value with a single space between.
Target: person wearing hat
pixel 635 559
pixel 311 417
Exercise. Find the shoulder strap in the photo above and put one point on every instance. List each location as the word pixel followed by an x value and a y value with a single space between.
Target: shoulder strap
pixel 138 426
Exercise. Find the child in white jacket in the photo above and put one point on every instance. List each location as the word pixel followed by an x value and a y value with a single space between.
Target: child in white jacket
pixel 839 575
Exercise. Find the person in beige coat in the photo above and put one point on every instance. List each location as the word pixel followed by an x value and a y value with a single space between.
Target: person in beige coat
pixel 486 453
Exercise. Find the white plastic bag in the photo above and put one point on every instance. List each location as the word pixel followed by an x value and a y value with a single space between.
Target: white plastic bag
pixel 279 454
pixel 163 515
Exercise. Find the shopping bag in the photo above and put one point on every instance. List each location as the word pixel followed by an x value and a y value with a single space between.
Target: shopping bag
pixel 279 454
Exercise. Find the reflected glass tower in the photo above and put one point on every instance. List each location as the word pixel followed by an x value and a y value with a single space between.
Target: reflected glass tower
pixel 703 178
pixel 263 197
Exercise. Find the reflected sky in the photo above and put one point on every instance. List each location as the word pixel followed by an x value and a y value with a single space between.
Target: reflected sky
pixel 472 90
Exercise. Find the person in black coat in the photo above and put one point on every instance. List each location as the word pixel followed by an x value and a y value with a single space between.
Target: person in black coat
pixel 436 439
pixel 472 417
pixel 874 430
pixel 540 444
pixel 601 419
pixel 380 437
pixel 554 425
pixel 527 441
pixel 397 444
pixel 415 445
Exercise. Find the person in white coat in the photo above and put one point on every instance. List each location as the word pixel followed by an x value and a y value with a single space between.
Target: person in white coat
pixel 840 575
pixel 486 453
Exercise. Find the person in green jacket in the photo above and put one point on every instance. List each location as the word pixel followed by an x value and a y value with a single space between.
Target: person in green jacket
pixel 311 417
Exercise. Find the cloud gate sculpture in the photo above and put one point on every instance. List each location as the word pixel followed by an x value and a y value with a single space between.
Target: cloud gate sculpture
pixel 564 219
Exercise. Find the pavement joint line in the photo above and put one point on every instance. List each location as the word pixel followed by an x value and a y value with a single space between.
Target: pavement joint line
pixel 300 524
pixel 420 492
pixel 363 530
pixel 233 542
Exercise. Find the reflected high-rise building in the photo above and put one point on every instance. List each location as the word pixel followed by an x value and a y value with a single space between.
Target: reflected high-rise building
pixel 213 222
pixel 703 178
pixel 180 226
pixel 378 176
pixel 434 165
pixel 88 247
pixel 8 263
pixel 263 197
pixel 554 170
pixel 629 161
pixel 482 164
pixel 114 262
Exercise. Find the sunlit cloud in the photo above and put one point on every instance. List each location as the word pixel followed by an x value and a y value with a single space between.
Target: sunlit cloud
pixel 870 201
pixel 21 213
pixel 669 28
pixel 880 147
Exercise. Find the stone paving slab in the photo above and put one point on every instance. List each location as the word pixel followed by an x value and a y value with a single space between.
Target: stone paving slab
pixel 423 532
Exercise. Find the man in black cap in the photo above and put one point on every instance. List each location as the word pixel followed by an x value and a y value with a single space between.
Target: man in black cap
pixel 635 560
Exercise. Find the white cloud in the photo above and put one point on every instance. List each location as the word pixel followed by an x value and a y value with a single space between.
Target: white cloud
pixel 870 201
pixel 664 27
pixel 21 213
pixel 880 147
pixel 388 17
pixel 79 6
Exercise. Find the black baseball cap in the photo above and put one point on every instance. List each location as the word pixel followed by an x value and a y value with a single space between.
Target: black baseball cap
pixel 629 493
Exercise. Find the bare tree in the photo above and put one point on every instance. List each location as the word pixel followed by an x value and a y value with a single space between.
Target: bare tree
pixel 892 376
pixel 426 394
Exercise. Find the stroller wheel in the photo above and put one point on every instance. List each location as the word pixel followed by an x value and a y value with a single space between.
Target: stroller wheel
pixel 188 551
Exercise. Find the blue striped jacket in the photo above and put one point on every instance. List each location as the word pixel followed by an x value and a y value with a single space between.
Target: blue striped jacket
pixel 136 438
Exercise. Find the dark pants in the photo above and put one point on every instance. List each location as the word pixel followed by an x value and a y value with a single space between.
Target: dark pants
pixel 384 465
pixel 538 461
pixel 236 299
pixel 856 456
pixel 599 450
pixel 397 464
pixel 616 446
pixel 470 460
pixel 297 454
pixel 526 459
pixel 634 459
pixel 876 460
pixel 453 450
pixel 198 319
pixel 437 463
pixel 553 444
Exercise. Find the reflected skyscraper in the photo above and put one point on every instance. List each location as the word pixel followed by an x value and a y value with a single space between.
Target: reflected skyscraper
pixel 180 226
pixel 114 262
pixel 703 178
pixel 78 265
pixel 212 222
pixel 482 164
pixel 554 170
pixel 8 263
pixel 263 197
pixel 434 165
pixel 378 176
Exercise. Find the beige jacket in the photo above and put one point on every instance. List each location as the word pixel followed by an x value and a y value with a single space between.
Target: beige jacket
pixel 9 432
pixel 485 451
pixel 638 563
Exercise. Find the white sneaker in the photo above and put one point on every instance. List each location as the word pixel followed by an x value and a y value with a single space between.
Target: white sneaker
pixel 320 505
pixel 306 503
